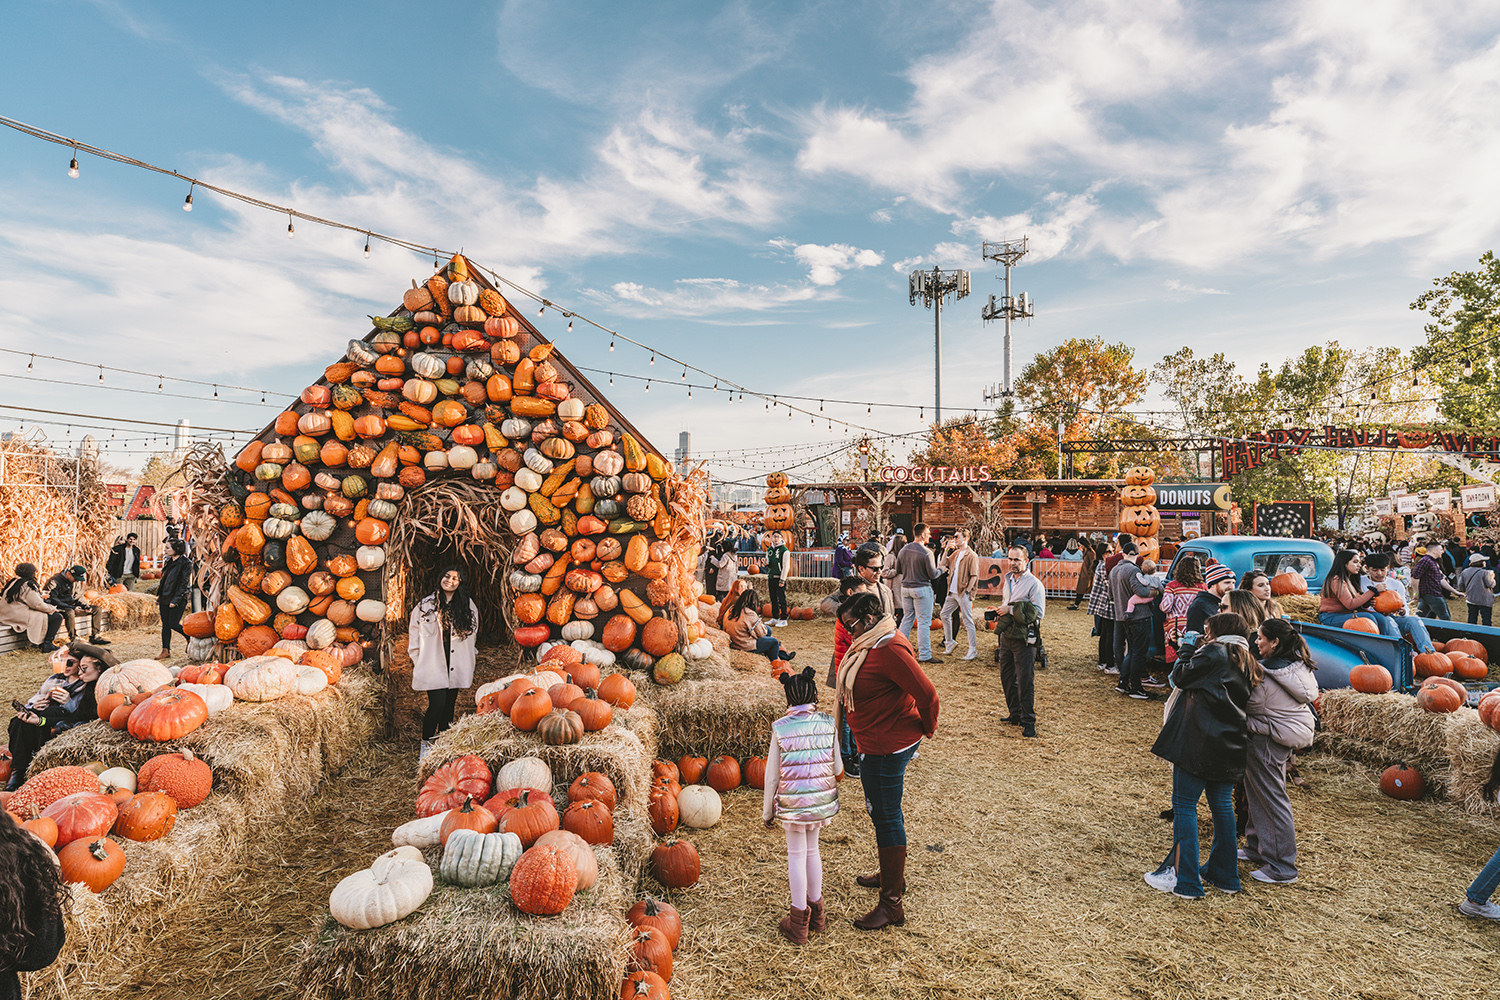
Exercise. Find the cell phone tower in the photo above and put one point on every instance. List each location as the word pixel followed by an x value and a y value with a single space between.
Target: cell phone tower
pixel 934 288
pixel 1009 254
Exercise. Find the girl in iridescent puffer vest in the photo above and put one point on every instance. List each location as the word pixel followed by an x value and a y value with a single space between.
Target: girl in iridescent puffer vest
pixel 803 768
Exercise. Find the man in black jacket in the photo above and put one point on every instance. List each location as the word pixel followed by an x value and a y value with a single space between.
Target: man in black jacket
pixel 62 597
pixel 124 563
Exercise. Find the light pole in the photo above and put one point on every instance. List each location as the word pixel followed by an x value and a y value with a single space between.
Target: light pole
pixel 1008 253
pixel 933 287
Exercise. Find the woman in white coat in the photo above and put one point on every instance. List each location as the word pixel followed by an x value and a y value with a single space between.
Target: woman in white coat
pixel 23 609
pixel 441 639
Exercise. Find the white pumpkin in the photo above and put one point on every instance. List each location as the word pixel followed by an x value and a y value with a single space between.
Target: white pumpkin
pixel 702 649
pixel 262 678
pixel 317 525
pixel 131 677
pixel 435 461
pixel 522 582
pixel 513 498
pixel 388 890
pixel 570 409
pixel 278 527
pixel 525 772
pixel 429 365
pixel 594 652
pixel 609 463
pixel 405 852
pixel 699 807
pixel 420 833
pixel 292 600
pixel 528 480
pixel 216 696
pixel 537 462
pixel 522 521
pixel 200 650
pixel 294 646
pixel 578 630
pixel 461 456
pixel 370 557
pixel 370 610
pixel 117 777
pixel 321 634
pixel 474 859
pixel 310 680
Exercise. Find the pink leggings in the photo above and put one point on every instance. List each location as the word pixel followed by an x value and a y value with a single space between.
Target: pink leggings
pixel 804 866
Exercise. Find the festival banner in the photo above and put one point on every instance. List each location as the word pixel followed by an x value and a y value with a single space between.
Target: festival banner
pixel 1261 447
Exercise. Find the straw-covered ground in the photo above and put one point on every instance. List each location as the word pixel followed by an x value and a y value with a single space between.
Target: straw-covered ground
pixel 1024 877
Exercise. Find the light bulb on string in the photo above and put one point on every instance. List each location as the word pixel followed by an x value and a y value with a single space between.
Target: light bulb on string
pixel 611 378
pixel 216 392
pixel 648 385
pixel 187 203
pixel 367 246
pixel 291 230
pixel 611 345
pixel 32 363
pixel 820 406
pixel 1468 367
pixel 159 382
pixel 262 399
pixel 570 324
pixel 653 357
pixel 684 374
pixel 73 163
pixel 542 311
pixel 101 373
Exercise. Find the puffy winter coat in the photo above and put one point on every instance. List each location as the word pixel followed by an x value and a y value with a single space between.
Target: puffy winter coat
pixel 1205 734
pixel 1280 705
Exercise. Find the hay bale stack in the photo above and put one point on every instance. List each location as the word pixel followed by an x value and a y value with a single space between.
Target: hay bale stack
pixel 268 760
pixel 472 942
pixel 129 610
pixel 749 663
pixel 1300 607
pixel 716 709
pixel 1471 753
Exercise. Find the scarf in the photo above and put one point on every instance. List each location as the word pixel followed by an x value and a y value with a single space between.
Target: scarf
pixel 1235 640
pixel 854 658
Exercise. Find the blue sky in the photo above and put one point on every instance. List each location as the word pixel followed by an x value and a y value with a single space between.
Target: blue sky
pixel 742 185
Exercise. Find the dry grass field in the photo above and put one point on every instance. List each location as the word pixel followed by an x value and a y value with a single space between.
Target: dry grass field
pixel 1024 872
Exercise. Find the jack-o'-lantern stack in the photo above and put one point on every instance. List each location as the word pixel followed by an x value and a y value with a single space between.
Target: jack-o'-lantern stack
pixel 1139 516
pixel 456 385
pixel 779 513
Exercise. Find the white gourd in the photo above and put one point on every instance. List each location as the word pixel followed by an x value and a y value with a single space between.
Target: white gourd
pixel 292 600
pixel 522 521
pixel 528 480
pixel 310 680
pixel 699 807
pixel 461 456
pixel 405 852
pixel 318 525
pixel 117 777
pixel 201 650
pixel 370 557
pixel 370 610
pixel 474 859
pixel 131 677
pixel 701 649
pixel 420 833
pixel 594 653
pixel 578 630
pixel 537 462
pixel 216 696
pixel 513 498
pixel 525 772
pixel 294 646
pixel 391 888
pixel 262 678
pixel 321 634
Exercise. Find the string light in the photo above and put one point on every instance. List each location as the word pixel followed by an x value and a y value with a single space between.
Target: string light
pixel 653 358
pixel 32 363
pixel 570 322
pixel 543 311
pixel 216 392
pixel 611 345
pixel 291 230
pixel 1468 367
pixel 73 163
pixel 187 204
pixel 101 374
pixel 367 246
pixel 648 385
pixel 611 378
pixel 684 374
pixel 159 383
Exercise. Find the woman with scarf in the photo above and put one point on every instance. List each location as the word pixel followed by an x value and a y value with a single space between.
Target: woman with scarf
pixel 890 705
pixel 441 640
pixel 24 610
pixel 1205 738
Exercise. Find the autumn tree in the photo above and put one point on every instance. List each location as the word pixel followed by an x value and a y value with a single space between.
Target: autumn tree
pixel 1086 387
pixel 1463 334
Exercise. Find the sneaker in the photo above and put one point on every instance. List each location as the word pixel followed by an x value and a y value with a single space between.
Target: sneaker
pixel 1152 682
pixel 1029 731
pixel 1166 881
pixel 423 749
pixel 1143 696
pixel 1260 876
pixel 1242 854
pixel 1112 671
pixel 1227 892
pixel 781 621
pixel 1103 667
pixel 948 648
pixel 973 654
pixel 1484 911
pixel 1122 689
pixel 930 659
pixel 1012 720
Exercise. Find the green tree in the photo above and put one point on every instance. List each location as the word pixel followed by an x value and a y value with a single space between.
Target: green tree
pixel 1463 329
pixel 1086 387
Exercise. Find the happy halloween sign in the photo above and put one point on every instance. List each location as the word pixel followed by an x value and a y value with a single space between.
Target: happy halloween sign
pixel 1271 445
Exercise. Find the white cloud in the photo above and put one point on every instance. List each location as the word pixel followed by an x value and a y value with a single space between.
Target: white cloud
pixel 827 264
pixel 1180 286
pixel 705 296
pixel 905 264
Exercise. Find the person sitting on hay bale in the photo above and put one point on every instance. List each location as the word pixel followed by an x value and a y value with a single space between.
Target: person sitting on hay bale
pixel 1477 900
pixel 24 610
pixel 747 632
pixel 60 594
pixel 36 900
pixel 441 639
pixel 71 704
pixel 803 769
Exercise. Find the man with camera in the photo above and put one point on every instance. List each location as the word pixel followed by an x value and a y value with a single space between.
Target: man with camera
pixel 1023 603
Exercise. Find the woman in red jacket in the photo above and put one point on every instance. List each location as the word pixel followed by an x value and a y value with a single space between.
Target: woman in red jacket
pixel 890 705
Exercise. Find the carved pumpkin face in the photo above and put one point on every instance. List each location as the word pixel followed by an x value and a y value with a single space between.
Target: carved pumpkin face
pixel 1139 475
pixel 776 480
pixel 1144 521
pixel 779 516
pixel 1137 496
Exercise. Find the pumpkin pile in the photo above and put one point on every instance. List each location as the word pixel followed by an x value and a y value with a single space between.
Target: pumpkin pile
pixel 74 810
pixel 656 930
pixel 455 384
pixel 779 515
pixel 1138 515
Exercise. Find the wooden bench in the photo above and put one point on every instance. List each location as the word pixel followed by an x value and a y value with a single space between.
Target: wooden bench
pixel 11 641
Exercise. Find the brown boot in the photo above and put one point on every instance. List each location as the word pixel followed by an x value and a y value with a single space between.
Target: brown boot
pixel 872 881
pixel 888 910
pixel 817 920
pixel 793 926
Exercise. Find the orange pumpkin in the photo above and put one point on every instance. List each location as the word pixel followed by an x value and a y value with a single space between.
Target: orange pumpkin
pixel 372 531
pixel 1137 496
pixel 1289 585
pixel 1139 475
pixel 1141 521
pixel 1363 625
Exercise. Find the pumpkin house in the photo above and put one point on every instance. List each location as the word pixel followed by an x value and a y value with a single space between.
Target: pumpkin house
pixel 451 432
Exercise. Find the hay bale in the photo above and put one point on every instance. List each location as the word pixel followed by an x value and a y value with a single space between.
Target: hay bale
pixel 1471 753
pixel 268 760
pixel 1300 607
pixel 1392 719
pixel 129 610
pixel 715 710
pixel 616 751
pixel 472 942
pixel 749 663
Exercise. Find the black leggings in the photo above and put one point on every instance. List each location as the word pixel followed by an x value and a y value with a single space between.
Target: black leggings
pixel 171 621
pixel 54 622
pixel 441 703
pixel 25 740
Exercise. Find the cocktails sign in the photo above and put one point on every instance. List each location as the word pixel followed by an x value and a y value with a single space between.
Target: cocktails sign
pixel 934 474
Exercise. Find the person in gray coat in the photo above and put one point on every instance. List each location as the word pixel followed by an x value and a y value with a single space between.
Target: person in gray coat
pixel 1280 719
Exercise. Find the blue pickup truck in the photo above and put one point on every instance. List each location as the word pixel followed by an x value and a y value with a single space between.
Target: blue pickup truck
pixel 1335 650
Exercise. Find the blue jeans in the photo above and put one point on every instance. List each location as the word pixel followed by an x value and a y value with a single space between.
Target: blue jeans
pixel 769 647
pixel 1384 622
pixel 1222 869
pixel 1433 606
pixel 916 602
pixel 883 776
pixel 1411 626
pixel 1484 886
